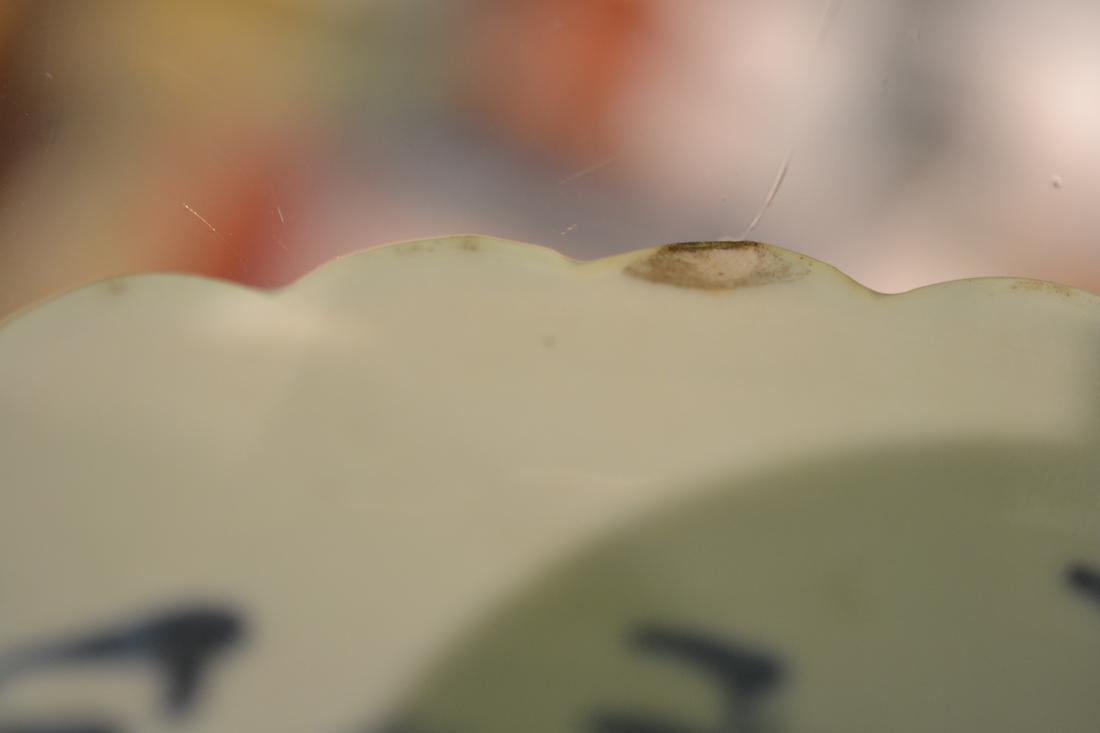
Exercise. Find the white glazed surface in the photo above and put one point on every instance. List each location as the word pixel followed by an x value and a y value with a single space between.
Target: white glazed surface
pixel 371 459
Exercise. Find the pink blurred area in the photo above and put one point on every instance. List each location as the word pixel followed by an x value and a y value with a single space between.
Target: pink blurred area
pixel 255 139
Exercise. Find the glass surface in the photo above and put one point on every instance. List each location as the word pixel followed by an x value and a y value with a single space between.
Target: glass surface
pixel 254 139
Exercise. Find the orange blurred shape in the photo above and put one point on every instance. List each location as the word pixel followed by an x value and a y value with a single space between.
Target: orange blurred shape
pixel 547 73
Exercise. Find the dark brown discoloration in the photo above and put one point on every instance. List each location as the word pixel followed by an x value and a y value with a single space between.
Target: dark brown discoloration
pixel 719 266
pixel 1043 286
pixel 117 286
pixel 415 247
pixel 424 246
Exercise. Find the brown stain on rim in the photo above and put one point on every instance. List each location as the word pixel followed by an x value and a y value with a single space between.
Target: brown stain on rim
pixel 1043 286
pixel 719 265
pixel 117 286
pixel 424 246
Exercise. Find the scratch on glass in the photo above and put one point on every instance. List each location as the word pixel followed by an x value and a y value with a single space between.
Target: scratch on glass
pixel 199 216
pixel 831 11
pixel 585 171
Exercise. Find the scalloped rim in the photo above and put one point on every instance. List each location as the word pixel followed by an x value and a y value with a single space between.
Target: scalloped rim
pixel 623 262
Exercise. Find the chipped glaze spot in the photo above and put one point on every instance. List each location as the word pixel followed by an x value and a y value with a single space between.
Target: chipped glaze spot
pixel 117 286
pixel 718 266
pixel 1043 286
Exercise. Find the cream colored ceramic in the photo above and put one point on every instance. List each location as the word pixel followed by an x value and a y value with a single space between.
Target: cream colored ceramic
pixel 469 485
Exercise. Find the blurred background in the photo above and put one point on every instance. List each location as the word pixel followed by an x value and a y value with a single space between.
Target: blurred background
pixel 255 139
